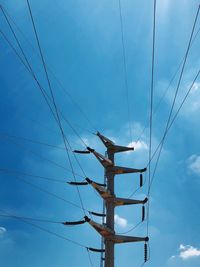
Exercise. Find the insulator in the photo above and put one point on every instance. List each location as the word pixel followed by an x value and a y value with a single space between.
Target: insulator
pixel 77 183
pixel 100 184
pixel 145 252
pixel 141 180
pixel 143 213
pixel 89 181
pixel 90 149
pixel 81 151
pixel 97 214
pixel 96 250
pixel 74 223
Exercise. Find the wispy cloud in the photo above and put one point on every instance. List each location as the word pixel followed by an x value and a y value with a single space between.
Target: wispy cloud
pixel 194 164
pixel 121 222
pixel 195 88
pixel 2 230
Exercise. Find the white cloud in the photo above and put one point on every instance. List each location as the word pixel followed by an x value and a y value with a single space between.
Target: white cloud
pixel 188 251
pixel 121 222
pixel 140 145
pixel 2 230
pixel 194 164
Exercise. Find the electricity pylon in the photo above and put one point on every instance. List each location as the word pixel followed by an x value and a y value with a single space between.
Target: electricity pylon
pixel 107 230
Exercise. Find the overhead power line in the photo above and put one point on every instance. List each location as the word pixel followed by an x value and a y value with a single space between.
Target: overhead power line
pixel 170 114
pixel 49 193
pixel 8 171
pixel 55 77
pixel 176 114
pixel 151 105
pixel 176 92
pixel 44 93
pixel 65 140
pixel 39 156
pixel 31 141
pixel 43 229
pixel 125 70
pixel 167 88
pixel 30 219
pixel 54 116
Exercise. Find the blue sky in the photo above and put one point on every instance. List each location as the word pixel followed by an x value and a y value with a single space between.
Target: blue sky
pixel 82 46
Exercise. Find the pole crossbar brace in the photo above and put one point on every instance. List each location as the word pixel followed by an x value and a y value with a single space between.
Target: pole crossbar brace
pixel 110 235
pixel 107 196
pixel 111 146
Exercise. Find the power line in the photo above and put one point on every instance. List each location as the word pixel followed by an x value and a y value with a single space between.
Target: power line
pixel 59 82
pixel 131 229
pixel 30 218
pixel 49 193
pixel 167 88
pixel 26 221
pixel 125 70
pixel 44 229
pixel 28 66
pixel 151 105
pixel 176 114
pixel 177 89
pixel 54 103
pixel 45 95
pixel 41 157
pixel 168 121
pixel 43 91
pixel 31 140
pixel 57 115
pixel 8 171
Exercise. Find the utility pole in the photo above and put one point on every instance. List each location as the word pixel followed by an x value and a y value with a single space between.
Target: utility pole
pixel 110 212
pixel 107 231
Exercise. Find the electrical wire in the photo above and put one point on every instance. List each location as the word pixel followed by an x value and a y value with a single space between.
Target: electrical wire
pixel 169 118
pixel 44 229
pixel 178 86
pixel 125 70
pixel 131 229
pixel 32 175
pixel 65 140
pixel 137 189
pixel 32 73
pixel 48 192
pixel 56 78
pixel 176 114
pixel 151 101
pixel 57 119
pixel 41 89
pixel 167 88
pixel 39 156
pixel 31 140
pixel 90 259
pixel 57 115
pixel 45 95
pixel 26 221
pixel 30 218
